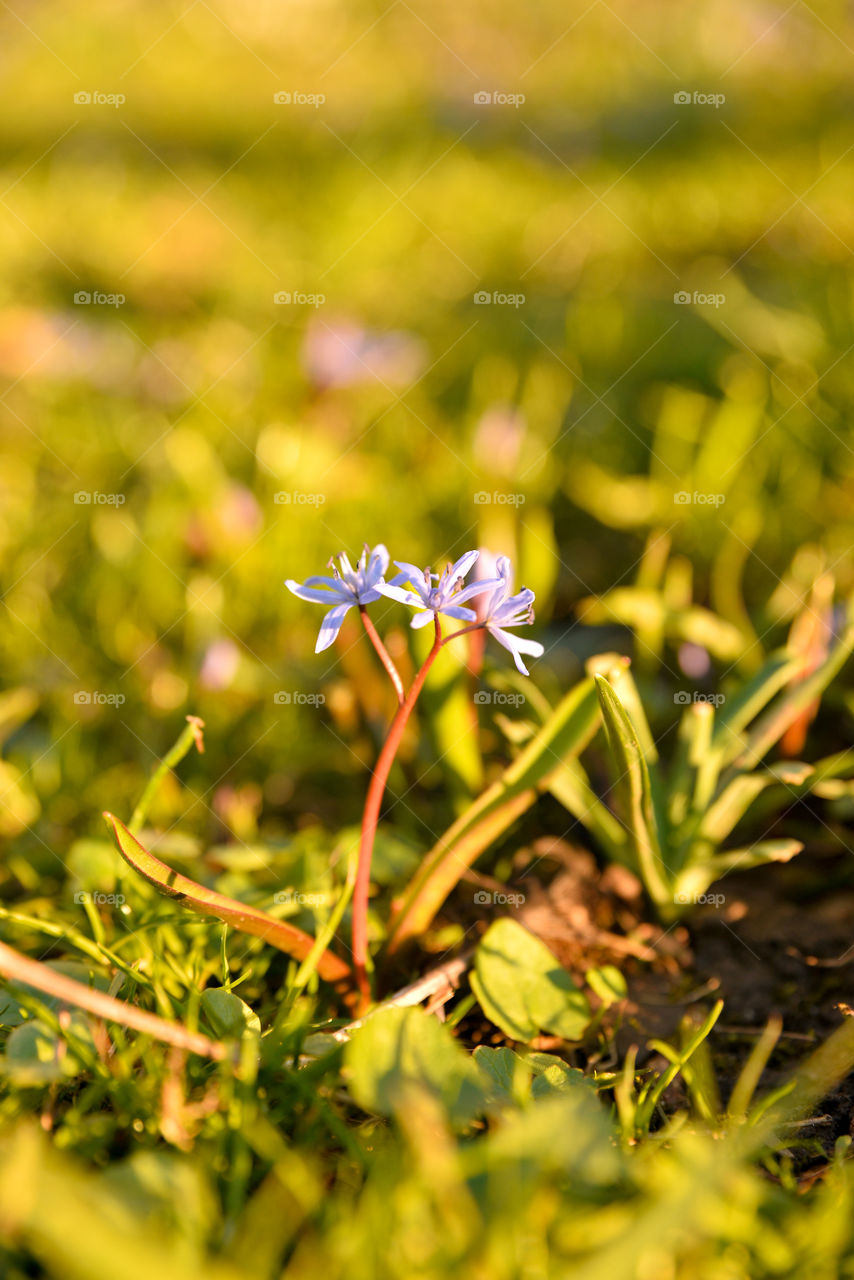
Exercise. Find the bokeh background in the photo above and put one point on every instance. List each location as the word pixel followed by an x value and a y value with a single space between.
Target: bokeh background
pixel 245 254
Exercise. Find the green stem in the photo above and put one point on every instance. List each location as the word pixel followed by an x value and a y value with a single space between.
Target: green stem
pixel 192 734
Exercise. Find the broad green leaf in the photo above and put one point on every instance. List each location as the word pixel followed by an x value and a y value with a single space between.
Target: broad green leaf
pixel 507 1076
pixel 229 1016
pixel 35 1054
pixel 278 933
pixel 570 1134
pixel 521 987
pixel 567 731
pixel 552 1075
pixel 608 983
pixel 514 1078
pixel 396 1049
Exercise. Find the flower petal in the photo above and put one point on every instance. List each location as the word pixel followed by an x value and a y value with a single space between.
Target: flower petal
pixel 377 565
pixel 330 626
pixel 414 575
pixel 517 646
pixel 462 566
pixel 423 618
pixel 456 611
pixel 395 592
pixel 475 589
pixel 330 592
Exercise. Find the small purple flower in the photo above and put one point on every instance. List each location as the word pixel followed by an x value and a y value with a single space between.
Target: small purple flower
pixel 346 587
pixel 446 596
pixel 502 609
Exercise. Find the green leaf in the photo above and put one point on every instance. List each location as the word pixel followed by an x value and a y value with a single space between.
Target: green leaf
pixel 634 785
pixel 570 785
pixel 521 987
pixel 738 711
pixel 513 1078
pixel 229 1016
pixel 570 1134
pixel 608 984
pixel 507 1077
pixel 207 902
pixel 696 879
pixel 13 1013
pixel 731 805
pixel 777 719
pixel 566 732
pixel 453 723
pixel 552 1075
pixel 36 1054
pixel 396 1049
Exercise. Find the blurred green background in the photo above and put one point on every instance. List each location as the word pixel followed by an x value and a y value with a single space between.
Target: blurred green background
pixel 669 313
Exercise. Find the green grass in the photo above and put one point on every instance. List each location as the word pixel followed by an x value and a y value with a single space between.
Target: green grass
pixel 186 411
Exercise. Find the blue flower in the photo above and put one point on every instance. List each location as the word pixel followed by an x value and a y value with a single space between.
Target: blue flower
pixel 446 596
pixel 347 587
pixel 503 609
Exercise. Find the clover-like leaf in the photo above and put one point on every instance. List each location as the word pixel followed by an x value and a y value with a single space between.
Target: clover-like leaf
pixel 523 989
pixel 396 1049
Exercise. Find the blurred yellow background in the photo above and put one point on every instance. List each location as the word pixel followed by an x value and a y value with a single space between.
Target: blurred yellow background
pixel 280 279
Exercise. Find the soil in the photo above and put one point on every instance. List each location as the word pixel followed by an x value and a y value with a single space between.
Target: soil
pixel 777 941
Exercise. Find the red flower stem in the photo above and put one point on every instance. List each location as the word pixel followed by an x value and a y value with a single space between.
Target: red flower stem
pixel 370 818
pixel 464 631
pixel 384 655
